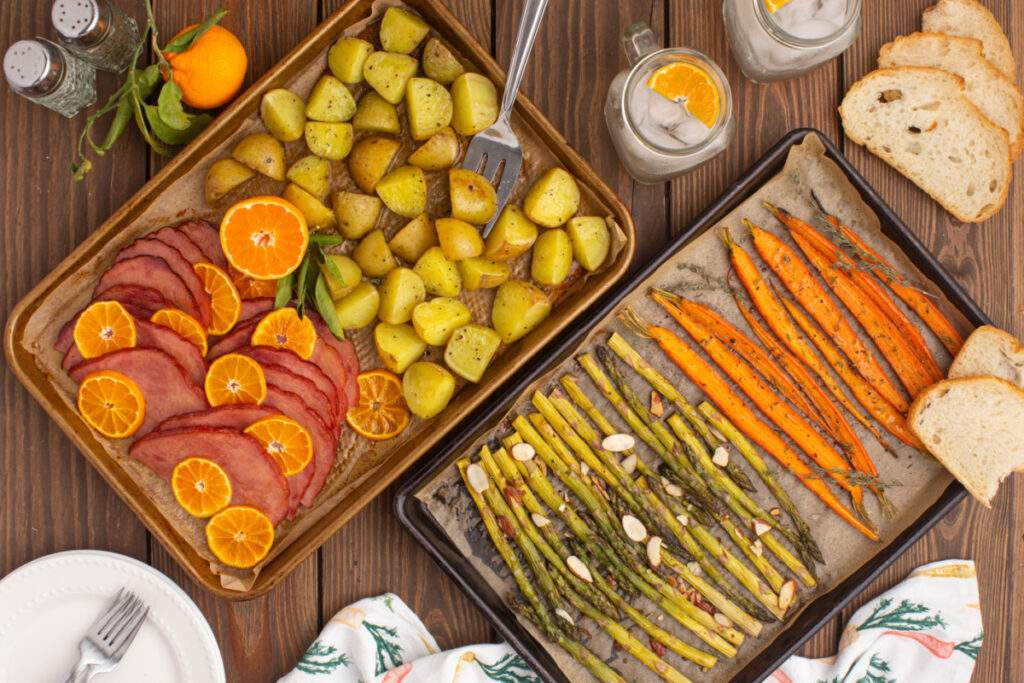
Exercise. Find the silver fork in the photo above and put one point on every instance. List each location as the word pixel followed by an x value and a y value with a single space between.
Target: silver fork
pixel 108 638
pixel 497 148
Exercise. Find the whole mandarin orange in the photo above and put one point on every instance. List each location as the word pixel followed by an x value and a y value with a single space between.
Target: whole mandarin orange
pixel 212 70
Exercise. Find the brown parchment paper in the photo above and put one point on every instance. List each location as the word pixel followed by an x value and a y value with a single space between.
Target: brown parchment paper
pixel 698 271
pixel 357 458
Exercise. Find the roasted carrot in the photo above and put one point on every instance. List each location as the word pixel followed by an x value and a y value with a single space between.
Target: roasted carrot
pixel 801 283
pixel 731 405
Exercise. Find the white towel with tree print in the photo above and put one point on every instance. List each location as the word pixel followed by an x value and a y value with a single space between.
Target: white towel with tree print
pixel 380 640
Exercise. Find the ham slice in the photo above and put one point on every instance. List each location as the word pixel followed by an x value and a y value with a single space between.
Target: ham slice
pixel 165 384
pixel 233 340
pixel 207 238
pixel 345 351
pixel 252 308
pixel 315 400
pixel 267 355
pixel 256 479
pixel 148 246
pixel 324 441
pixel 154 273
pixel 182 242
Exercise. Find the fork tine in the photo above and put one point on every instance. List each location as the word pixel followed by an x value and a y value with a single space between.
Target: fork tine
pixel 108 613
pixel 474 157
pixel 112 614
pixel 490 171
pixel 128 636
pixel 122 615
pixel 112 635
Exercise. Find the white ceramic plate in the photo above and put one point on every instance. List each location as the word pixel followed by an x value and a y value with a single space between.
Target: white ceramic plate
pixel 47 605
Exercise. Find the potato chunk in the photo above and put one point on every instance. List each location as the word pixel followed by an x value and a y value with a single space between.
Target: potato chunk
pixel 553 199
pixel 398 346
pixel 330 101
pixel 223 176
pixel 404 191
pixel 513 234
pixel 370 160
pixel 439 63
pixel 262 153
pixel 357 213
pixel 429 106
pixel 388 73
pixel 312 174
pixel 349 271
pixel 591 241
pixel 475 103
pixel 318 216
pixel 401 291
pixel 428 388
pixel 473 198
pixel 358 308
pixel 373 255
pixel 440 276
pixel 482 273
pixel 436 320
pixel 329 140
pixel 470 350
pixel 441 151
pixel 346 58
pixel 284 114
pixel 552 257
pixel 518 308
pixel 414 238
pixel 401 31
pixel 458 239
pixel 377 115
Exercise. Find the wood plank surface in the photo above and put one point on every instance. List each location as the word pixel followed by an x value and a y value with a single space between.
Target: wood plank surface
pixel 51 500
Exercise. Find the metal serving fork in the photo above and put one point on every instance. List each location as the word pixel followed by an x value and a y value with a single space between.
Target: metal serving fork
pixel 109 637
pixel 498 148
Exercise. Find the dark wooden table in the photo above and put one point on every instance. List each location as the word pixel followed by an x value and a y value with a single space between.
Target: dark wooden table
pixel 52 500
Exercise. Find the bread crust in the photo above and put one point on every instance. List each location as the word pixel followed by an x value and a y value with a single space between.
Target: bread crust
pixel 1016 345
pixel 1005 62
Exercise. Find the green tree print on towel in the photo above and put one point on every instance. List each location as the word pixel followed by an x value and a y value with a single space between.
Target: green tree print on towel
pixel 509 669
pixel 904 617
pixel 971 647
pixel 877 672
pixel 387 650
pixel 321 659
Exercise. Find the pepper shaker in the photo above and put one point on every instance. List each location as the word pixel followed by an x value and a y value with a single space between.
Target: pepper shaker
pixel 49 75
pixel 97 31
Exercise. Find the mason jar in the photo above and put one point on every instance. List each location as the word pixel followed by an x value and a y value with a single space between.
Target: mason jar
pixel 791 40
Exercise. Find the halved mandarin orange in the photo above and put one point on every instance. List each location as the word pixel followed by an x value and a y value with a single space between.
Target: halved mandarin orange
pixel 285 440
pixel 111 403
pixel 683 81
pixel 381 412
pixel 200 486
pixel 284 329
pixel 185 325
pixel 240 536
pixel 234 378
pixel 264 237
pixel 224 297
pixel 774 6
pixel 103 327
pixel 249 288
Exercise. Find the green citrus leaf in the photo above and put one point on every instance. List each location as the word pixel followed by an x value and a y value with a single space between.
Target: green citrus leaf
pixel 171 110
pixel 185 40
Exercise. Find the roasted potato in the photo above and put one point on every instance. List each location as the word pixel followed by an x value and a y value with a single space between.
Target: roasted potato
pixel 441 151
pixel 312 174
pixel 553 199
pixel 401 291
pixel 401 31
pixel 373 255
pixel 439 63
pixel 404 191
pixel 284 114
pixel 590 240
pixel 346 58
pixel 329 140
pixel 262 153
pixel 551 260
pixel 482 273
pixel 474 102
pixel 458 239
pixel 376 115
pixel 414 238
pixel 357 213
pixel 388 72
pixel 429 106
pixel 440 276
pixel 330 101
pixel 358 308
pixel 427 388
pixel 318 216
pixel 350 272
pixel 518 308
pixel 435 320
pixel 470 350
pixel 398 346
pixel 370 160
pixel 223 176
pixel 513 234
pixel 472 196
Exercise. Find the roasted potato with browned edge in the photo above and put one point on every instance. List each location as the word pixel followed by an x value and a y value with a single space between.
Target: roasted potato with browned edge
pixel 373 255
pixel 330 101
pixel 346 58
pixel 398 346
pixel 262 153
pixel 318 216
pixel 458 239
pixel 377 115
pixel 435 320
pixel 441 151
pixel 591 241
pixel 427 388
pixel 358 308
pixel 401 30
pixel 513 234
pixel 370 160
pixel 440 276
pixel 470 350
pixel 312 174
pixel 388 72
pixel 329 140
pixel 223 176
pixel 357 213
pixel 518 308
pixel 404 191
pixel 551 260
pixel 482 273
pixel 350 272
pixel 474 102
pixel 473 198
pixel 284 114
pixel 553 198
pixel 401 291
pixel 439 63
pixel 414 239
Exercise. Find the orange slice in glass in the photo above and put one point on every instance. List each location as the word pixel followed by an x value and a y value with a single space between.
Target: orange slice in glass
pixel 284 440
pixel 234 378
pixel 264 237
pixel 381 412
pixel 111 403
pixel 200 486
pixel 681 81
pixel 249 288
pixel 185 325
pixel 240 536
pixel 103 327
pixel 284 329
pixel 224 297
pixel 774 6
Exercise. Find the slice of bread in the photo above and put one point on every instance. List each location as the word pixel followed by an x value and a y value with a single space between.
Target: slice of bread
pixel 986 86
pixel 971 19
pixel 918 120
pixel 990 351
pixel 975 428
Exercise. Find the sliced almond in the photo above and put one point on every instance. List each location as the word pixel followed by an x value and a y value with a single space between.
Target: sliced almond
pixel 673 490
pixel 761 527
pixel 787 595
pixel 775 512
pixel 722 620
pixel 634 528
pixel 562 507
pixel 683 519
pixel 577 567
pixel 657 405
pixel 616 443
pixel 584 469
pixel 565 616
pixel 654 551
pixel 540 520
pixel 757 547
pixel 721 456
pixel 523 452
pixel 477 478
pixel 694 568
pixel 629 463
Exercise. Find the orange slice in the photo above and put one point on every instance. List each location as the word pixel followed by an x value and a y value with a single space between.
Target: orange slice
pixel 185 325
pixel 240 536
pixel 249 288
pixel 234 378
pixel 681 81
pixel 264 237
pixel 224 297
pixel 774 6
pixel 200 486
pixel 103 327
pixel 381 412
pixel 111 403
pixel 285 440
pixel 284 329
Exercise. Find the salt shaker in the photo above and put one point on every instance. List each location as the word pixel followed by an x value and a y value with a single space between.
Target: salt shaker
pixel 49 75
pixel 96 31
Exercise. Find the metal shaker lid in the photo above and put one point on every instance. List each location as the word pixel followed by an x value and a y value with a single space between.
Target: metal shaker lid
pixel 82 22
pixel 34 67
